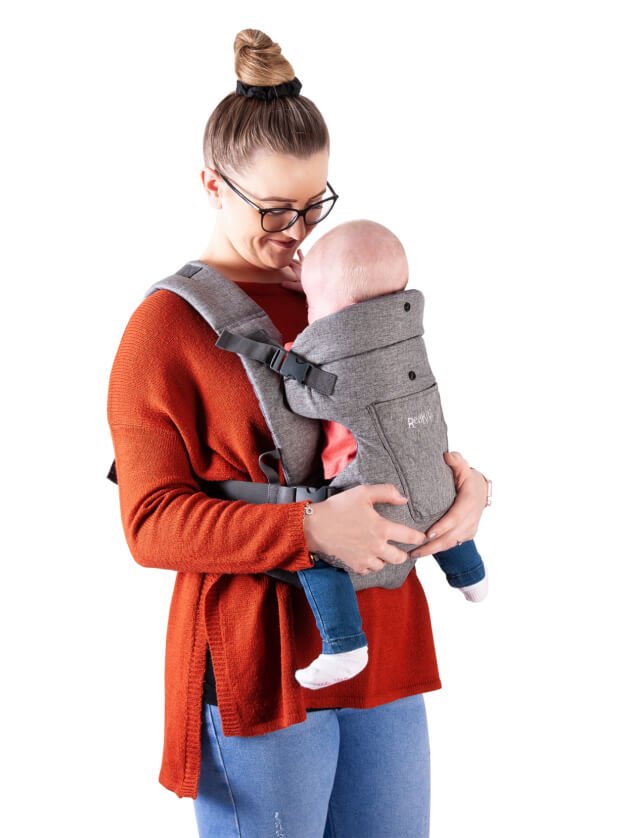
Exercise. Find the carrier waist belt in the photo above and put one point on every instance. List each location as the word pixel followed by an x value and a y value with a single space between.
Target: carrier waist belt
pixel 265 492
pixel 258 492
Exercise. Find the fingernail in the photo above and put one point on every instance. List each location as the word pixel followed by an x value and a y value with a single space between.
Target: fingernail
pixel 433 535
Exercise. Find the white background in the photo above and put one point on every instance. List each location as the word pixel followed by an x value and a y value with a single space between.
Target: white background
pixel 492 138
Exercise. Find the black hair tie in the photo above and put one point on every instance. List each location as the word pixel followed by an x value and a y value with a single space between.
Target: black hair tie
pixel 270 91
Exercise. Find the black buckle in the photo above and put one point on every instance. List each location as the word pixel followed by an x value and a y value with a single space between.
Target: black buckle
pixel 314 493
pixel 290 365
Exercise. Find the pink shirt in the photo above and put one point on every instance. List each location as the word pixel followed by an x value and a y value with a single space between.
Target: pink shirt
pixel 340 446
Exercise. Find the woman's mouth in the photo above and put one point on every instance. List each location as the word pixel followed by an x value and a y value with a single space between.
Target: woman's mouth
pixel 284 245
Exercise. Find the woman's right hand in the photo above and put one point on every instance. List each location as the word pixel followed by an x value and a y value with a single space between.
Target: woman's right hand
pixel 351 534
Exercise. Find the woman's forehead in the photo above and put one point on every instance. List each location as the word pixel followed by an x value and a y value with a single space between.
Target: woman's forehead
pixel 273 176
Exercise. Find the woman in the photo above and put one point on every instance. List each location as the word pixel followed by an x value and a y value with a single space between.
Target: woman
pixel 259 754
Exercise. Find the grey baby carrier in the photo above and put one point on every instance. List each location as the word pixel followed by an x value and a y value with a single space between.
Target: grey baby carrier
pixel 364 366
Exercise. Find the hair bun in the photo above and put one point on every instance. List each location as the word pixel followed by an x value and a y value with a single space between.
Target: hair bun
pixel 258 60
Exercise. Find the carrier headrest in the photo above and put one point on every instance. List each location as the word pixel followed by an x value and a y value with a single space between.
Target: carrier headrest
pixel 363 327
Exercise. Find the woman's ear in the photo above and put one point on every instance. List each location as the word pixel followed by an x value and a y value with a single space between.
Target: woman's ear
pixel 210 181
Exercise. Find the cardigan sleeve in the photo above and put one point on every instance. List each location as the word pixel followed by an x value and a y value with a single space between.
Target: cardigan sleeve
pixel 168 521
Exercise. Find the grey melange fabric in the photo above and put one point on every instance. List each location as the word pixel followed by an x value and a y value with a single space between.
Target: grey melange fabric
pixel 384 392
pixel 387 396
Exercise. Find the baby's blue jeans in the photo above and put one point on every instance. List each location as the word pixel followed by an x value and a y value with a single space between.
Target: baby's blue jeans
pixel 342 773
pixel 333 599
pixel 333 602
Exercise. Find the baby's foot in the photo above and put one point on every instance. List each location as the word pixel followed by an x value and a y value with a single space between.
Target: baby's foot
pixel 330 669
pixel 476 592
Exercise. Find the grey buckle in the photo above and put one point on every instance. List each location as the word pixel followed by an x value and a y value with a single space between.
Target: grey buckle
pixel 290 365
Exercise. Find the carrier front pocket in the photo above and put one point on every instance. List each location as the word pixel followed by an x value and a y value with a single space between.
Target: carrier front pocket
pixel 413 431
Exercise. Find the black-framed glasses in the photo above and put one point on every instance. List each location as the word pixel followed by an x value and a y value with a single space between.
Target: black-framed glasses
pixel 275 219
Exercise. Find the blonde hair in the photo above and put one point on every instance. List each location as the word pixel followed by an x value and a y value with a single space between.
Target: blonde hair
pixel 240 126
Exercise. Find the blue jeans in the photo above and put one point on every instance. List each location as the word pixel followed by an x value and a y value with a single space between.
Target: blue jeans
pixel 333 602
pixel 462 565
pixel 342 773
pixel 333 599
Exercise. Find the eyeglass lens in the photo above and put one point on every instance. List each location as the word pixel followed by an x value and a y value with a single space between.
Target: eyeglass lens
pixel 280 219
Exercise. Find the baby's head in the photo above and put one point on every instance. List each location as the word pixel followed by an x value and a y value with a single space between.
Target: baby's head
pixel 354 261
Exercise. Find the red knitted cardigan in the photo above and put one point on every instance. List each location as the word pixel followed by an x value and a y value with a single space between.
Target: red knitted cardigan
pixel 179 407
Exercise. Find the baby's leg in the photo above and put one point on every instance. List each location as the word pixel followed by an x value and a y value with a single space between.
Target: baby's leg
pixel 333 601
pixel 464 569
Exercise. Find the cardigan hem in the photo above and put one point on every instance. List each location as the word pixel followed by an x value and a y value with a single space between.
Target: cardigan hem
pixel 384 698
pixel 188 789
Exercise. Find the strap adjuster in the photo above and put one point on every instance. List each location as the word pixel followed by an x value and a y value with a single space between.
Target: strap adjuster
pixel 289 364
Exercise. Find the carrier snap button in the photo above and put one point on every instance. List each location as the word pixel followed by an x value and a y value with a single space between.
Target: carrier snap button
pixel 407 306
pixel 412 374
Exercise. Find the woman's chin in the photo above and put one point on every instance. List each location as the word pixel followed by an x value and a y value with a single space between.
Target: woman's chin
pixel 275 258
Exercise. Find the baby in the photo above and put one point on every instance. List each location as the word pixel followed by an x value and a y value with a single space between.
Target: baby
pixel 353 262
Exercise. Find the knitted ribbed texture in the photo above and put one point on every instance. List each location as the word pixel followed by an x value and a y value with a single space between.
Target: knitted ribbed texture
pixel 476 592
pixel 179 407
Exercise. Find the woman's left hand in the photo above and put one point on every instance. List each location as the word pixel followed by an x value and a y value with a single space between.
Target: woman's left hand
pixel 295 284
pixel 462 519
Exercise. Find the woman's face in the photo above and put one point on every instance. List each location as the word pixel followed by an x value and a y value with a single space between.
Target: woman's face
pixel 270 180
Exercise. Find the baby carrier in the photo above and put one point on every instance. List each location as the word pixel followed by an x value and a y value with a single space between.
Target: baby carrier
pixel 377 382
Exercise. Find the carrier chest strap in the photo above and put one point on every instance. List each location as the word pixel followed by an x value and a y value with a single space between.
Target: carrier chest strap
pixel 285 362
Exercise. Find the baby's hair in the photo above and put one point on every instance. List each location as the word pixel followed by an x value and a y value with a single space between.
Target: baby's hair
pixel 367 257
pixel 240 126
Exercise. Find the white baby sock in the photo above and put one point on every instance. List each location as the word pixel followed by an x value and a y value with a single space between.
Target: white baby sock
pixel 476 592
pixel 331 668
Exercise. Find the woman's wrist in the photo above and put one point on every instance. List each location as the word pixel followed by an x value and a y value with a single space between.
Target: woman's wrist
pixel 306 521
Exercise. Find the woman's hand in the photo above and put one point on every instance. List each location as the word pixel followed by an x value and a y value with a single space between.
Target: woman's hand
pixel 462 519
pixel 295 284
pixel 349 533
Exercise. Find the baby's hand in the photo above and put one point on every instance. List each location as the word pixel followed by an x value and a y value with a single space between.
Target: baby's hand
pixel 295 284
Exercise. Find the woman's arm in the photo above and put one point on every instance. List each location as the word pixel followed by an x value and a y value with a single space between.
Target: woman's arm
pixel 347 525
pixel 170 523
pixel 352 535
pixel 462 519
pixel 163 370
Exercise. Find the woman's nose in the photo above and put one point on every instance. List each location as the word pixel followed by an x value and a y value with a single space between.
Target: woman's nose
pixel 297 230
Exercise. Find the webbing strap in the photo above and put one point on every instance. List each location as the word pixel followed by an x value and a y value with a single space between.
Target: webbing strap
pixel 265 492
pixel 283 361
pixel 254 492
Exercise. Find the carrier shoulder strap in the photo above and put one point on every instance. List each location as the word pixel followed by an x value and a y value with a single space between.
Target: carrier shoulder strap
pixel 225 306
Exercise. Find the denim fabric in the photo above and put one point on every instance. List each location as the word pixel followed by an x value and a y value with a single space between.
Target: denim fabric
pixel 331 595
pixel 342 773
pixel 333 601
pixel 462 565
